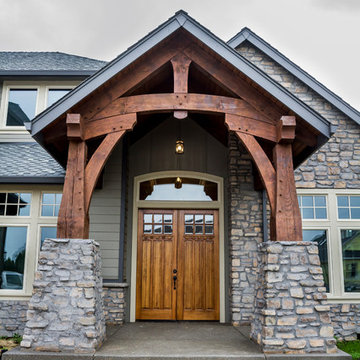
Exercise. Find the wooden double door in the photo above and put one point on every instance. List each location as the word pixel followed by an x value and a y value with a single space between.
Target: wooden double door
pixel 177 265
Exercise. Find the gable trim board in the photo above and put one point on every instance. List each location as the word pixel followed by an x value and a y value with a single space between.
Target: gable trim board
pixel 247 35
pixel 180 20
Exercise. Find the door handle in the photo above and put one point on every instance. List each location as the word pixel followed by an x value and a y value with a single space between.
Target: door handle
pixel 174 278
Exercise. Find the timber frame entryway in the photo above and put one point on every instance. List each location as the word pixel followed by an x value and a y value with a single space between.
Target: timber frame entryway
pixel 177 265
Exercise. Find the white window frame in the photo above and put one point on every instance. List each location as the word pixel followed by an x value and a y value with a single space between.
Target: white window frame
pixel 33 223
pixel 41 99
pixel 326 207
pixel 333 225
pixel 40 208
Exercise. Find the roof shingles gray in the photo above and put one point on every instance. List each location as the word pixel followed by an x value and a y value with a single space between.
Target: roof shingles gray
pixel 22 160
pixel 47 61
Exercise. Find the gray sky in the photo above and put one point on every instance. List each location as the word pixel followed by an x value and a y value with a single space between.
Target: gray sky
pixel 321 36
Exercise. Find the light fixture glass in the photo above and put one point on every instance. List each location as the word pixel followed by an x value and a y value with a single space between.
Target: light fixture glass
pixel 178 183
pixel 179 147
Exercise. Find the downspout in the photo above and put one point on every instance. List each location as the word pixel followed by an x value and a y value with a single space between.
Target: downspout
pixel 264 217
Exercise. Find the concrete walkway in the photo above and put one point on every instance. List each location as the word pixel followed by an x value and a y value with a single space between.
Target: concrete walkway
pixel 173 341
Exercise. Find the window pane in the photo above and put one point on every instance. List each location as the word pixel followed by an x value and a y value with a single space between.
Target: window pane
pixel 147 229
pixel 354 200
pixel 21 106
pixel 12 198
pixel 307 201
pixel 47 210
pixel 355 213
pixel 147 218
pixel 168 229
pixel 2 198
pixel 320 237
pixel 58 198
pixel 308 213
pixel 158 218
pixel 11 210
pixel 47 232
pixel 2 209
pixel 343 201
pixel 343 213
pixel 199 219
pixel 198 229
pixel 209 219
pixel 56 211
pixel 157 229
pixel 25 198
pixel 320 200
pixel 189 229
pixel 24 210
pixel 189 219
pixel 56 94
pixel 320 213
pixel 168 218
pixel 209 229
pixel 12 256
pixel 48 199
pixel 350 240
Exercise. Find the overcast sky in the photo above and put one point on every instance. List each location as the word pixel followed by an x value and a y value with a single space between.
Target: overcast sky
pixel 321 36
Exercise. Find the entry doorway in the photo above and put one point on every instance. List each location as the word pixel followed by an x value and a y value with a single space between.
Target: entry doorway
pixel 177 265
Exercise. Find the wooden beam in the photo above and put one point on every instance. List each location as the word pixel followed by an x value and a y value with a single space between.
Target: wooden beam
pixel 97 163
pixel 74 127
pixel 251 127
pixel 263 164
pixel 233 82
pixel 101 127
pixel 286 129
pixel 141 70
pixel 287 224
pixel 180 64
pixel 191 102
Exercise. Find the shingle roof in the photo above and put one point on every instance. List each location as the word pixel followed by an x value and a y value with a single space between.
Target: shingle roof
pixel 28 162
pixel 47 61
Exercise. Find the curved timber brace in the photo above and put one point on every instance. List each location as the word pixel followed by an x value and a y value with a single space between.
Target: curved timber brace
pixel 277 178
pixel 82 175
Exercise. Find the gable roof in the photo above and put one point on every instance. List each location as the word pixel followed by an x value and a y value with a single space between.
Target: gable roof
pixel 247 35
pixel 46 63
pixel 180 20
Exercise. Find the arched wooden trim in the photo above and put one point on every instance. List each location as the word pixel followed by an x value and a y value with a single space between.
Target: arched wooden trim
pixel 263 164
pixel 97 163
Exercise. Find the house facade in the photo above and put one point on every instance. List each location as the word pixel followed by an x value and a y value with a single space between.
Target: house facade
pixel 179 158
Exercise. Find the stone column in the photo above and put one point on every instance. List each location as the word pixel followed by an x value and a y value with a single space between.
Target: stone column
pixel 291 311
pixel 66 309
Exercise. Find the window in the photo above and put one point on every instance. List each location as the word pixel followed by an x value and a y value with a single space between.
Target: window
pixel 348 207
pixel 336 229
pixel 21 106
pixel 313 207
pixel 55 95
pixel 22 101
pixel 47 232
pixel 15 204
pixel 50 204
pixel 12 256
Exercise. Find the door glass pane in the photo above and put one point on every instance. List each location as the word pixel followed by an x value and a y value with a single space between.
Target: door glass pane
pixel 209 219
pixel 199 219
pixel 198 229
pixel 168 218
pixel 147 218
pixel 12 256
pixel 189 229
pixel 167 229
pixel 21 106
pixel 350 240
pixel 157 229
pixel 189 219
pixel 209 229
pixel 320 237
pixel 147 229
pixel 157 218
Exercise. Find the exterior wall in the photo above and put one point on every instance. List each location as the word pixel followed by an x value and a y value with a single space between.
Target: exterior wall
pixel 12 317
pixel 245 233
pixel 105 215
pixel 336 165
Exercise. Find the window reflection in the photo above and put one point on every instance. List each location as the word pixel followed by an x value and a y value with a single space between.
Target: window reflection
pixel 12 256
pixel 320 237
pixel 350 240
pixel 21 106
pixel 55 95
pixel 190 190
pixel 47 232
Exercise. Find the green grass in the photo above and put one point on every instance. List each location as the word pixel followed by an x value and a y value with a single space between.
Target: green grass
pixel 350 347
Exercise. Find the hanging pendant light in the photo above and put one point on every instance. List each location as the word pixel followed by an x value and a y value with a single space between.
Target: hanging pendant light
pixel 178 183
pixel 179 147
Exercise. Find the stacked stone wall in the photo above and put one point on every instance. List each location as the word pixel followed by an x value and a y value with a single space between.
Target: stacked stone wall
pixel 12 317
pixel 114 296
pixel 245 233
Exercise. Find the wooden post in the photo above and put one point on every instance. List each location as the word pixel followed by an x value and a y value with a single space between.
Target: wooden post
pixel 286 223
pixel 181 64
pixel 73 219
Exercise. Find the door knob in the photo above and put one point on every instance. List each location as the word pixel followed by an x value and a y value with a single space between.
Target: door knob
pixel 174 271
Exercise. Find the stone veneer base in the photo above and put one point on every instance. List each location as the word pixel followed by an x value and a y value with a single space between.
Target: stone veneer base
pixel 291 310
pixel 114 295
pixel 66 309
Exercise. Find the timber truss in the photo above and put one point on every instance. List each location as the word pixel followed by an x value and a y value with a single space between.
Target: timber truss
pixel 251 116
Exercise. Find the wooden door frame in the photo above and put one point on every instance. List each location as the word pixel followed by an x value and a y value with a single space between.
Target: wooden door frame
pixel 142 204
